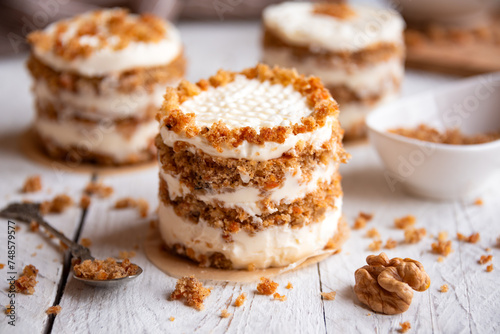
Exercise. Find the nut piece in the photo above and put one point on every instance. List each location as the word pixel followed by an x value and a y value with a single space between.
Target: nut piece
pixel 386 285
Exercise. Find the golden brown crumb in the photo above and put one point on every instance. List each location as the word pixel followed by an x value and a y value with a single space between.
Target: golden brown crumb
pixel 63 246
pixel 98 189
pixel 34 226
pixel 405 222
pixel 442 236
pixel 192 290
pixel 414 235
pixel 473 238
pixel 444 288
pixel 40 246
pixel 240 300
pixel 485 259
pixel 266 286
pixel 442 248
pixel 2 265
pixel 488 249
pixel 279 297
pixel 18 228
pixel 329 295
pixel 489 268
pixel 225 314
pixel 58 205
pixel 172 318
pixel 450 136
pixel 251 267
pixel 27 281
pixel 373 233
pixel 126 255
pixel 391 243
pixel 289 286
pixel 140 204
pixel 405 326
pixel 375 245
pixel 32 184
pixel 84 201
pixel 7 309
pixel 33 254
pixel 105 270
pixel 361 220
pixel 440 259
pixel 142 207
pixel 53 310
pixel 86 242
pixel 478 202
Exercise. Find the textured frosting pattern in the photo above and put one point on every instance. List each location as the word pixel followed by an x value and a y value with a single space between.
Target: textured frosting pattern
pixel 295 23
pixel 245 102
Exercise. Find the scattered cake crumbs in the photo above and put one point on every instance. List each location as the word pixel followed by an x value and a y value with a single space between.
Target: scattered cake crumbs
pixel 140 204
pixel 329 295
pixel 53 310
pixel 27 281
pixel 375 245
pixel 58 205
pixel 442 236
pixel 17 228
pixel 390 243
pixel 266 286
pixel 126 254
pixel 189 288
pixel 485 259
pixel 40 246
pixel 33 254
pixel 473 238
pixel 98 189
pixel 225 314
pixel 488 249
pixel 279 297
pixel 405 222
pixel 405 326
pixel 105 269
pixel 440 259
pixel 373 233
pixel 414 235
pixel 444 288
pixel 489 268
pixel 84 201
pixel 171 318
pixel 34 226
pixel 2 265
pixel 32 184
pixel 361 220
pixel 478 202
pixel 86 242
pixel 289 286
pixel 442 248
pixel 240 300
pixel 62 245
pixel 7 309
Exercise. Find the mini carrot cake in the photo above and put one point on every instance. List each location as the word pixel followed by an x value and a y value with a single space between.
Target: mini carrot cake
pixel 357 51
pixel 249 168
pixel 99 79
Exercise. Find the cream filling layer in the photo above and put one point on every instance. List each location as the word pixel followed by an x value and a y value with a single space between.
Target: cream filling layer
pixel 364 80
pixel 297 24
pixel 275 246
pixel 269 150
pixel 101 139
pixel 92 106
pixel 107 60
pixel 247 198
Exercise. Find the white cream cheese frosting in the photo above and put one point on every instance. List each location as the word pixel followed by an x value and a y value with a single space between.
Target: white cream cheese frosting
pixel 249 102
pixel 274 246
pixel 297 24
pixel 107 60
pixel 100 139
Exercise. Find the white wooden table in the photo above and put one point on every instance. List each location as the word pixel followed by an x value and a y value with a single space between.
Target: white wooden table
pixel 471 305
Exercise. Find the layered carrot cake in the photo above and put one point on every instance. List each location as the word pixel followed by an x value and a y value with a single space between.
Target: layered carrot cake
pixel 99 79
pixel 249 168
pixel 357 51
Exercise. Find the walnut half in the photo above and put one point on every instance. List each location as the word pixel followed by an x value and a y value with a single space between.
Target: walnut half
pixel 386 286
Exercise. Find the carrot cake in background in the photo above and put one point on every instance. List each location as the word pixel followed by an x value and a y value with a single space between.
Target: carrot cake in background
pixel 99 79
pixel 249 168
pixel 357 51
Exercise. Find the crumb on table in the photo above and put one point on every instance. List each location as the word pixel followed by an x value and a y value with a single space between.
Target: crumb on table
pixel 373 233
pixel 329 295
pixel 391 243
pixel 266 286
pixel 361 220
pixel 189 288
pixel 34 226
pixel 279 297
pixel 444 288
pixel 478 202
pixel 126 254
pixel 58 204
pixel 53 310
pixel 485 259
pixel 86 242
pixel 375 245
pixel 32 184
pixel 489 268
pixel 414 235
pixel 405 222
pixel 98 189
pixel 405 326
pixel 140 204
pixel 105 269
pixel 442 248
pixel 27 281
pixel 240 300
pixel 2 265
pixel 85 201
pixel 473 238
pixel 440 259
pixel 289 286
pixel 171 318
pixel 225 314
pixel 442 236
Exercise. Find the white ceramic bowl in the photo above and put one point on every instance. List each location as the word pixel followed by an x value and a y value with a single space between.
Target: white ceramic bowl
pixel 441 171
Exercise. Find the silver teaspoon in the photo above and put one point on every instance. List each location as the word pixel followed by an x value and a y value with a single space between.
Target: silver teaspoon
pixel 28 212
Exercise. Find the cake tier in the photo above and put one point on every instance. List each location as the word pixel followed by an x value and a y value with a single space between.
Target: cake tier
pixel 274 246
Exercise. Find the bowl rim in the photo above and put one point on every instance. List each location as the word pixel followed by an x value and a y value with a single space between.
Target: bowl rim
pixel 417 142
